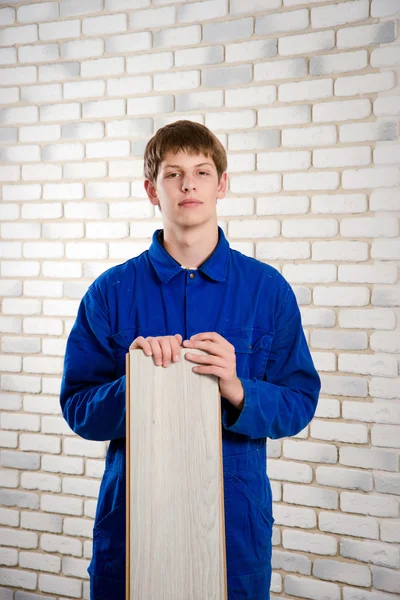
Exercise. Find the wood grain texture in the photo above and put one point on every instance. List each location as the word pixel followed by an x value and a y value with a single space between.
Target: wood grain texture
pixel 175 504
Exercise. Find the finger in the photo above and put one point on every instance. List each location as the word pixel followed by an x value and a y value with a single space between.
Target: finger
pixel 179 338
pixel 141 342
pixel 165 350
pixel 175 347
pixel 155 350
pixel 211 347
pixel 209 370
pixel 202 359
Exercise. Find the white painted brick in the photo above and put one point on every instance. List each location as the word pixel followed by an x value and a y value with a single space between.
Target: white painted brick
pixel 60 152
pixel 387 106
pixel 309 542
pixel 387 154
pixel 343 251
pixel 289 561
pixel 8 439
pixel 66 308
pixel 153 18
pixel 387 483
pixel 41 522
pixel 310 496
pixel 383 8
pixel 145 63
pixel 385 436
pixel 253 50
pixel 282 205
pixel 385 579
pixel 364 84
pixel 8 135
pixel 180 80
pixel 327 64
pixel 102 66
pixel 226 76
pixel 309 228
pixel 85 170
pixel 45 11
pixel 143 209
pixel 40 133
pixel 9 517
pixel 374 505
pixel 285 115
pixel 281 22
pixel 69 8
pixel 385 57
pixel 306 43
pixel 9 478
pixel 309 136
pixel 385 342
pixel 41 481
pixel 293 516
pixel 361 132
pixel 254 229
pixel 20 539
pixel 60 585
pixel 43 249
pixel 331 15
pixel 129 42
pixel 370 552
pixel 52 269
pixel 370 178
pixel 21 306
pixel 365 527
pixel 18 35
pixel 310 274
pixel 86 210
pixel 342 572
pixel 62 464
pixel 378 411
pixel 284 470
pixel 10 250
pixel 63 230
pixel 8 56
pixel 82 49
pixel 199 56
pixel 9 173
pixel 17 269
pixel 10 325
pixel 309 588
pixel 86 250
pixel 229 206
pixel 282 250
pixel 75 566
pixel 369 227
pixel 38 53
pixel 385 249
pixel 60 505
pixel 7 16
pixel 59 72
pixel 344 386
pixel 228 30
pixel 384 388
pixel 11 363
pixel 61 544
pixel 80 486
pixel 21 344
pixel 40 443
pixel 22 114
pixel 70 111
pixel 10 287
pixel 283 161
pixel 366 35
pixel 78 527
pixel 42 211
pixel 305 90
pixel 368 458
pixel 342 157
pixel 339 203
pixel 341 296
pixel 59 30
pixel 202 11
pixel 280 69
pixel 340 432
pixel 94 468
pixel 248 184
pixel 108 149
pixel 42 364
pixel 309 451
pixel 104 25
pixel 368 364
pixel 253 140
pixel 231 120
pixel 39 562
pixel 390 532
pixel 17 578
pixel 20 421
pixel 93 130
pixel 41 172
pixel 107 230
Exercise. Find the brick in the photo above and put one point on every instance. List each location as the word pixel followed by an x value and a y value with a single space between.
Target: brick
pixel 384 8
pixel 369 227
pixel 299 228
pixel 342 111
pixel 107 149
pixel 60 30
pixel 388 105
pixel 86 210
pixel 19 539
pixel 365 527
pixel 59 72
pixel 85 170
pixel 91 130
pixel 374 505
pixel 385 579
pixel 370 552
pixel 78 527
pixel 42 211
pixel 18 35
pixel 63 464
pixel 368 458
pixel 10 325
pixel 253 50
pixel 255 183
pixel 82 49
pixel 309 542
pixel 370 178
pixel 106 230
pixel 23 345
pixel 386 296
pixel 309 136
pixel 128 86
pixel 86 250
pixel 38 53
pixel 364 84
pixel 328 64
pixel 17 578
pixel 289 471
pixel 21 154
pixel 8 135
pixel 344 386
pixel 282 250
pixel 8 56
pixel 107 189
pixel 7 16
pixel 385 436
pixel 257 140
pixel 69 8
pixel 80 487
pixel 153 18
pixel 310 181
pixel 150 62
pixel 384 388
pixel 39 562
pixel 342 572
pixel 332 15
pixel 378 411
pixel 342 157
pixel 104 25
pixel 310 588
pixel 23 114
pixel 128 42
pixel 366 35
pixel 390 532
pixel 226 76
pixel 385 249
pixel 41 481
pixel 229 120
pixel 9 212
pixel 342 432
pixel 9 173
pixel 17 269
pixel 40 133
pixel 42 249
pixel 306 43
pixel 283 205
pixel 360 132
pixel 387 155
pixel 376 364
pixel 289 561
pixel 21 306
pixel 60 585
pixel 281 22
pixel 280 69
pixel 103 108
pixel 8 439
pixel 199 56
pixel 17 422
pixel 143 209
pixel 201 11
pixel 45 11
pixel 305 90
pixel 310 274
pixel 385 57
pixel 294 115
pixel 341 296
pixel 292 516
pixel 309 451
pixel 343 251
pixel 176 81
pixel 254 229
pixel 367 274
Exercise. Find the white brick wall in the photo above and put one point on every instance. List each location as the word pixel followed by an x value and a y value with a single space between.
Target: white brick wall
pixel 305 96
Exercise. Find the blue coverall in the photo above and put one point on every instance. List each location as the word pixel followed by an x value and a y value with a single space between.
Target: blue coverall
pixel 251 305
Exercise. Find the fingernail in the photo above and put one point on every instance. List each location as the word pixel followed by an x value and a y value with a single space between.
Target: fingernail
pixel 176 357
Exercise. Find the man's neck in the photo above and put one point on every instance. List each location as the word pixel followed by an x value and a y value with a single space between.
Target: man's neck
pixel 192 247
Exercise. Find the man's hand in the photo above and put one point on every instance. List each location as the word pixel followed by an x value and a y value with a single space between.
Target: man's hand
pixel 221 361
pixel 164 349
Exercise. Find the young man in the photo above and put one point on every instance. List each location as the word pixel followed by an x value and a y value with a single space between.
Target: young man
pixel 191 289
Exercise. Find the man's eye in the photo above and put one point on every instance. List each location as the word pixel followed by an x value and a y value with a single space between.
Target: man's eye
pixel 205 172
pixel 170 175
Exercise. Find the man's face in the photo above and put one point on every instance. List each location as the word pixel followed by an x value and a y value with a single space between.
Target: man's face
pixel 182 177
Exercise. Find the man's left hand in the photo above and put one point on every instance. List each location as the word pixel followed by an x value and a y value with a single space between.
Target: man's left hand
pixel 221 362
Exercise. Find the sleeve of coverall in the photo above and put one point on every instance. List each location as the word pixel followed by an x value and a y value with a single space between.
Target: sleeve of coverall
pixel 284 402
pixel 92 399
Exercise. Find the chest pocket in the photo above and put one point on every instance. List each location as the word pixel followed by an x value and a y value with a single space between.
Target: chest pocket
pixel 121 341
pixel 252 348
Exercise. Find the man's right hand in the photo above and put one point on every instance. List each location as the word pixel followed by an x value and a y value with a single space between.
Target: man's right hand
pixel 164 349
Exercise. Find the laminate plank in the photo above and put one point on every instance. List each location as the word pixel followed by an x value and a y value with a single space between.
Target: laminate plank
pixel 175 504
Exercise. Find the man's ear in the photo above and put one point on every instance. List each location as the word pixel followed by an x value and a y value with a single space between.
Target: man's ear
pixel 222 186
pixel 151 192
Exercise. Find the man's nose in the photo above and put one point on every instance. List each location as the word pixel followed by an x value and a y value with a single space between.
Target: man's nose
pixel 188 183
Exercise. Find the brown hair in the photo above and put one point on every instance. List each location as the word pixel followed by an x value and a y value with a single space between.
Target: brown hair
pixel 186 136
